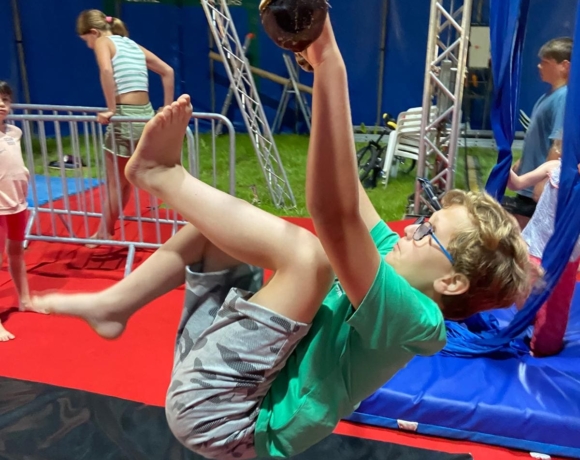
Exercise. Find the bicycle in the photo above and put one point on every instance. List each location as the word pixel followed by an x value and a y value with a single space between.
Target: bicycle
pixel 371 157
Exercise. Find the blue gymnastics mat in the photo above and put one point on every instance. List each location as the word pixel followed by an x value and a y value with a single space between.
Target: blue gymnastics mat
pixel 525 403
pixel 73 186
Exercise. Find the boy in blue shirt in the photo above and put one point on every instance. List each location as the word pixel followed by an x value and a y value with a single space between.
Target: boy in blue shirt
pixel 546 122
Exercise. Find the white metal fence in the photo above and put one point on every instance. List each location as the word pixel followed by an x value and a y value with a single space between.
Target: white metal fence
pixel 68 197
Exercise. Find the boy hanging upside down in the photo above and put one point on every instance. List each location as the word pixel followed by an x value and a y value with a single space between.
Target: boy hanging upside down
pixel 270 370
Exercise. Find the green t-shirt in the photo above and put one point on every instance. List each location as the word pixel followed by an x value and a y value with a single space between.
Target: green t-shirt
pixel 346 356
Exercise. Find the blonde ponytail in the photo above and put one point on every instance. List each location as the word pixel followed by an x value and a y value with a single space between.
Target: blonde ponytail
pixel 95 19
pixel 118 27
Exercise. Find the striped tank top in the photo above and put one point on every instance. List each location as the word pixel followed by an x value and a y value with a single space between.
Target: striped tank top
pixel 129 66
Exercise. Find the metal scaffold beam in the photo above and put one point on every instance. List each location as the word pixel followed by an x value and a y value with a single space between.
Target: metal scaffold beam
pixel 447 46
pixel 242 83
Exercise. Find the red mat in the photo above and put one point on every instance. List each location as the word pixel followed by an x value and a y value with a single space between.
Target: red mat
pixel 66 352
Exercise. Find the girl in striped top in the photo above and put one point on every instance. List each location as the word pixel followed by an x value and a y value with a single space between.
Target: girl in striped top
pixel 123 66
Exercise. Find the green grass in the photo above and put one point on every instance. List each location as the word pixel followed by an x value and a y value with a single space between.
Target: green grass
pixel 251 186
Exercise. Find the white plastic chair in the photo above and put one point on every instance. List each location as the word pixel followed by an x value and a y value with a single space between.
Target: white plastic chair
pixel 404 141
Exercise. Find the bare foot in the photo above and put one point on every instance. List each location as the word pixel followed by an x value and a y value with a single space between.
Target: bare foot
pixel 5 336
pixel 93 308
pixel 159 150
pixel 26 305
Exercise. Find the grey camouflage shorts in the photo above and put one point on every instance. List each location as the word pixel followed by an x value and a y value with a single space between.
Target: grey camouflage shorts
pixel 227 355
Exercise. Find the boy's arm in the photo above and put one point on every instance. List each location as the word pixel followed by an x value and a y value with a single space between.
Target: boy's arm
pixel 532 178
pixel 368 212
pixel 555 152
pixel 332 184
pixel 558 122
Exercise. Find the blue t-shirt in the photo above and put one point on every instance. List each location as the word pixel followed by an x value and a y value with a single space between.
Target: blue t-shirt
pixel 546 122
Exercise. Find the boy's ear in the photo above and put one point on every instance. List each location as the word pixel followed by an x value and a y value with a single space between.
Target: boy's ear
pixel 566 65
pixel 452 284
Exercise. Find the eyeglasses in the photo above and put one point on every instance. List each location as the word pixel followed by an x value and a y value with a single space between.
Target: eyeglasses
pixel 425 228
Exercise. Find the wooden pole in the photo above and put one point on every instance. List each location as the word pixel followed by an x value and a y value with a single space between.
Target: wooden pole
pixel 265 74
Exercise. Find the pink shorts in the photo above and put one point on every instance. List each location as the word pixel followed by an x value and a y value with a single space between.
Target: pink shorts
pixel 14 225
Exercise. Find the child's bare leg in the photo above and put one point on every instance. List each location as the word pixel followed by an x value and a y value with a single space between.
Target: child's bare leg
pixel 108 311
pixel 233 225
pixel 3 234
pixel 5 336
pixel 111 210
pixel 17 269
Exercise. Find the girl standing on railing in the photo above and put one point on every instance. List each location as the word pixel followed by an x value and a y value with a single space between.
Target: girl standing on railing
pixel 123 66
pixel 13 192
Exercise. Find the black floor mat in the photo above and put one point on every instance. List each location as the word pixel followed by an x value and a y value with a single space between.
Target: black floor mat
pixel 45 422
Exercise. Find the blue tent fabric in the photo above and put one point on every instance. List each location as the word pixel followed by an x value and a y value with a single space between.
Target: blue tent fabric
pixel 507 29
pixel 511 340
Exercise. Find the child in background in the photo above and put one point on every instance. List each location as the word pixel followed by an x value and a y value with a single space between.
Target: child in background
pixel 546 122
pixel 13 191
pixel 552 318
pixel 123 68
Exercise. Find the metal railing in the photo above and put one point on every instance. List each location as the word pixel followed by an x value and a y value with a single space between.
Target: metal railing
pixel 70 186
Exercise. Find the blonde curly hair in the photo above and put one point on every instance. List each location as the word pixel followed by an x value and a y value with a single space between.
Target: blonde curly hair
pixel 491 254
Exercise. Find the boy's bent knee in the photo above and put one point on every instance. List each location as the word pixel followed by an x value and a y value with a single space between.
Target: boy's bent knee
pixel 307 247
pixel 310 254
